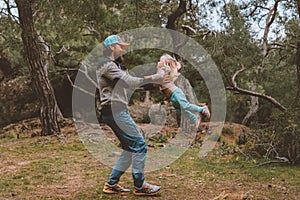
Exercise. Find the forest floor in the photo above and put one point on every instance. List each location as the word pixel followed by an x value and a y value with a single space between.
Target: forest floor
pixel 50 167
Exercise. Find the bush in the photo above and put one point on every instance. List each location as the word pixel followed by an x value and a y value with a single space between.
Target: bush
pixel 287 127
pixel 289 144
pixel 280 140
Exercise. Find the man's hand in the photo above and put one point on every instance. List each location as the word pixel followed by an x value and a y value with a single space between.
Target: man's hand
pixel 166 78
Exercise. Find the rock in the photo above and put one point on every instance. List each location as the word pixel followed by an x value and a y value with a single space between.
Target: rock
pixel 160 114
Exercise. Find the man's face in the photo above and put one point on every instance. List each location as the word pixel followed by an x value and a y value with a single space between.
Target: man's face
pixel 117 49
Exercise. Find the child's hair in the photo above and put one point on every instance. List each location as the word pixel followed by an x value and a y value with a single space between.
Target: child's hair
pixel 172 63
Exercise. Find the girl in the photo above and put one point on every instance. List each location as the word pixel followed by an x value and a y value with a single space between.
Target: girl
pixel 168 64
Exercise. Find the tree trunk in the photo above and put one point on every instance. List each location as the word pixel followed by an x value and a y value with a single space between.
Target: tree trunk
pixel 181 9
pixel 298 66
pixel 34 56
pixel 254 106
pixel 147 97
pixel 298 55
pixel 181 82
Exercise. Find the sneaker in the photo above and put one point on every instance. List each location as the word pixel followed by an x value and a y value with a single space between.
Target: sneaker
pixel 115 189
pixel 146 190
pixel 206 112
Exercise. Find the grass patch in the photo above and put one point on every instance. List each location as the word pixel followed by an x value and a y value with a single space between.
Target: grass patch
pixel 44 168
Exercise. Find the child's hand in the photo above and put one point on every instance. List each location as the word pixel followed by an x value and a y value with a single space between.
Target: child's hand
pixel 160 64
pixel 166 78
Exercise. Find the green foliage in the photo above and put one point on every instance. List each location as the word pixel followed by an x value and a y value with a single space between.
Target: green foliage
pixel 287 127
pixel 10 43
pixel 280 139
pixel 73 28
pixel 237 107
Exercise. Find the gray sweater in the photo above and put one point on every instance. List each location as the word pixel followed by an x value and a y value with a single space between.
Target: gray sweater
pixel 112 81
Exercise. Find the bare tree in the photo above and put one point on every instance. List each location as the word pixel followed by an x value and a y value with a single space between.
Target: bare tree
pixel 33 51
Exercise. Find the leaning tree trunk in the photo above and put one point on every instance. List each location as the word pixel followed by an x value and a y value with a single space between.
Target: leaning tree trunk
pixel 253 107
pixel 38 72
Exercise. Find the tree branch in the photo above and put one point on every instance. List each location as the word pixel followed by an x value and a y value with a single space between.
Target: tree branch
pixel 176 14
pixel 9 12
pixel 283 45
pixel 203 35
pixel 93 31
pixel 235 75
pixel 63 49
pixel 171 24
pixel 188 28
pixel 46 50
pixel 263 96
pixel 272 162
pixel 85 72
pixel 270 19
pixel 79 88
pixel 252 93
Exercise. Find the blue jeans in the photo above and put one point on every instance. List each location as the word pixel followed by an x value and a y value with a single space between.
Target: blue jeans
pixel 133 145
pixel 181 104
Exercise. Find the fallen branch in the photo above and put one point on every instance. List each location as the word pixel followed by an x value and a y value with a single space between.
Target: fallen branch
pixel 272 162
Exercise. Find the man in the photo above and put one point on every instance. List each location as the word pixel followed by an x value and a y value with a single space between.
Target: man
pixel 112 81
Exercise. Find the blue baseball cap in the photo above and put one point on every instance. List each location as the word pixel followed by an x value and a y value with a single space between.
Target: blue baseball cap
pixel 114 39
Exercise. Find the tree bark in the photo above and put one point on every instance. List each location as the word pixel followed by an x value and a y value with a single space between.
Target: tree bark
pixel 34 57
pixel 181 9
pixel 253 107
pixel 298 55
pixel 147 97
pixel 298 66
